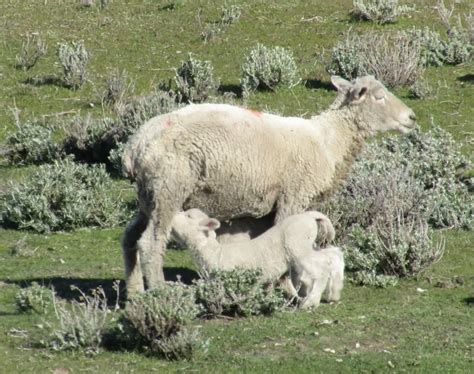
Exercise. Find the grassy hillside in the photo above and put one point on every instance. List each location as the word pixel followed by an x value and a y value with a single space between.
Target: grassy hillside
pixel 421 325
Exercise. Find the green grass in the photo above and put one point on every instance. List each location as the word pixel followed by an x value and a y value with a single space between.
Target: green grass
pixel 412 331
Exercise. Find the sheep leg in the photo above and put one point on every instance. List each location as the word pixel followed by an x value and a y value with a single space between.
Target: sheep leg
pixel 335 284
pixel 316 287
pixel 133 273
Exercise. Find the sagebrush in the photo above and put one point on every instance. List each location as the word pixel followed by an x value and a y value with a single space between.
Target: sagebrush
pixel 159 321
pixel 397 190
pixel 379 11
pixel 79 325
pixel 394 57
pixel 195 80
pixel 32 143
pixel 34 298
pixel 63 196
pixel 268 68
pixel 237 292
pixel 74 59
pixel 32 49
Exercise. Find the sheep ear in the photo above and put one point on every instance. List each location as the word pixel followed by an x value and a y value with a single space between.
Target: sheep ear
pixel 358 94
pixel 210 224
pixel 340 83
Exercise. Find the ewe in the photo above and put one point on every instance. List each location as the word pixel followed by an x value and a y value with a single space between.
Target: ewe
pixel 285 248
pixel 233 162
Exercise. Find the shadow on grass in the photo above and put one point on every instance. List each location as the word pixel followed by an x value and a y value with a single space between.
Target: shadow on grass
pixel 317 84
pixel 235 89
pixel 62 285
pixel 45 80
pixel 469 301
pixel 468 78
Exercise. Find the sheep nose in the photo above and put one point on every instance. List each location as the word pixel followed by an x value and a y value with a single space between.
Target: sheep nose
pixel 412 117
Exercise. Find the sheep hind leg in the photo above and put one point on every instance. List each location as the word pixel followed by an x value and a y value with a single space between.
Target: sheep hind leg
pixel 133 273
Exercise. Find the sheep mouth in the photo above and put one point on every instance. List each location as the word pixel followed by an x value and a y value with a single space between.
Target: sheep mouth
pixel 405 128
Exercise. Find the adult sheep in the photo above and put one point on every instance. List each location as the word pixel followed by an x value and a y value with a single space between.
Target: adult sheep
pixel 233 162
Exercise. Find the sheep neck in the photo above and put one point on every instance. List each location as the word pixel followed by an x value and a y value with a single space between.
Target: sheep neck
pixel 205 251
pixel 345 132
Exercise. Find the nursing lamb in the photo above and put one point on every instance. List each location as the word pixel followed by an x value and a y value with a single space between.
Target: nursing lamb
pixel 233 162
pixel 285 248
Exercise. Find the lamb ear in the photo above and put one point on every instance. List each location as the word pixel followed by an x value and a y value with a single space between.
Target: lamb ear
pixel 210 224
pixel 340 83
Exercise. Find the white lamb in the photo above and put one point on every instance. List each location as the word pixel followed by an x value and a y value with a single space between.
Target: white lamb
pixel 232 162
pixel 285 248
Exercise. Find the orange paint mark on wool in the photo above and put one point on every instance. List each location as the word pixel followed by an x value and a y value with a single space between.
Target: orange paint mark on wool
pixel 254 112
pixel 168 123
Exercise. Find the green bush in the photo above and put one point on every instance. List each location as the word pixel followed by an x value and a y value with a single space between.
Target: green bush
pixel 136 112
pixel 393 57
pixel 34 298
pixel 119 86
pixel 237 292
pixel 73 58
pixel 229 15
pixel 397 189
pixel 267 68
pixel 32 49
pixel 62 196
pixel 379 11
pixel 31 143
pixel 159 321
pixel 79 325
pixel 91 140
pixel 195 80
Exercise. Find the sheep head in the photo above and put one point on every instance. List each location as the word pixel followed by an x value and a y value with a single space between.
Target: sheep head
pixel 376 108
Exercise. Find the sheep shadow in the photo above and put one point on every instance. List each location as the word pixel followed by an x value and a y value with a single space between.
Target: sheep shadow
pixel 317 84
pixel 67 288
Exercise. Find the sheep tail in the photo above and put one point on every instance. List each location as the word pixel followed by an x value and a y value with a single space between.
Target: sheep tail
pixel 326 230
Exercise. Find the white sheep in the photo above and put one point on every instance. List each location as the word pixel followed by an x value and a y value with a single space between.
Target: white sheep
pixel 285 248
pixel 232 162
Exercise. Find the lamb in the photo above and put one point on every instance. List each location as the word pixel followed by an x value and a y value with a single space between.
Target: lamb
pixel 232 162
pixel 285 248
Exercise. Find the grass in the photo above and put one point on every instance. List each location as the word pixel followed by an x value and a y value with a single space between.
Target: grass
pixel 373 330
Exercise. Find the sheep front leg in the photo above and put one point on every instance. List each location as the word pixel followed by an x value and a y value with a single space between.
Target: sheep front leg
pixel 335 285
pixel 133 273
pixel 316 287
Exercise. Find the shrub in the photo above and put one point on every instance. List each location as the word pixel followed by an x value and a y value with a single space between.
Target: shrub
pixel 238 292
pixel 21 249
pixel 91 140
pixel 397 188
pixel 267 68
pixel 73 58
pixel 31 143
pixel 229 16
pixel 393 58
pixel 119 86
pixel 420 89
pixel 159 320
pixel 34 298
pixel 80 325
pixel 379 11
pixel 62 196
pixel 133 114
pixel 32 49
pixel 195 80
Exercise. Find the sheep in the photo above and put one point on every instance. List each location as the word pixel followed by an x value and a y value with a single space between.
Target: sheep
pixel 233 162
pixel 285 248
